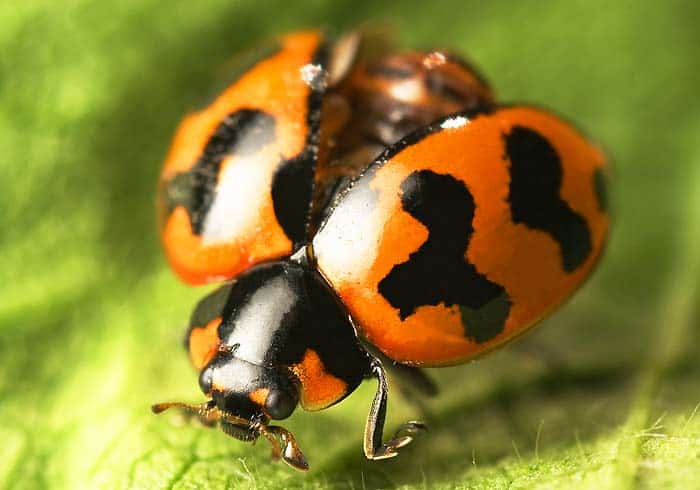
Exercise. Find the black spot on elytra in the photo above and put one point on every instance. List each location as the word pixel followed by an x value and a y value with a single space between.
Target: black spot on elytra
pixel 292 189
pixel 489 318
pixel 600 186
pixel 243 133
pixel 535 181
pixel 293 183
pixel 438 271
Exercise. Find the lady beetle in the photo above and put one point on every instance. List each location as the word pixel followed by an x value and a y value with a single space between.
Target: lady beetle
pixel 367 210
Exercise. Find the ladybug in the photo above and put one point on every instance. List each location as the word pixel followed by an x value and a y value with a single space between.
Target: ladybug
pixel 365 210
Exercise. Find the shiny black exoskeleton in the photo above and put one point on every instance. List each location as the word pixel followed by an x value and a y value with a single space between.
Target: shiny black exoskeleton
pixel 273 315
pixel 285 338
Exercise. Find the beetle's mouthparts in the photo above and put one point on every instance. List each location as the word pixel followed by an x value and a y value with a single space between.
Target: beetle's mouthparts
pixel 243 429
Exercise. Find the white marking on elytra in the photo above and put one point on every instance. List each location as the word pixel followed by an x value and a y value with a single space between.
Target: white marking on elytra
pixel 236 207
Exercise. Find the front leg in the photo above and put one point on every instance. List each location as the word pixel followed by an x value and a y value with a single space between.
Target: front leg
pixel 373 446
pixel 413 383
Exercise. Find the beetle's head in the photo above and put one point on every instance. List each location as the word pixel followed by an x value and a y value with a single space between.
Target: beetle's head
pixel 248 391
pixel 244 398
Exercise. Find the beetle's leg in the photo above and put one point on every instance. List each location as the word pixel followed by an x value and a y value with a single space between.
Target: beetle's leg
pixel 373 446
pixel 291 453
pixel 413 383
pixel 414 386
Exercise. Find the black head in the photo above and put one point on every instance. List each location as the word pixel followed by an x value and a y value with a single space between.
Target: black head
pixel 248 391
pixel 244 397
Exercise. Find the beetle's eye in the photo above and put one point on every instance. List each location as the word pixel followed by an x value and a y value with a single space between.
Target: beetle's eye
pixel 205 380
pixel 280 404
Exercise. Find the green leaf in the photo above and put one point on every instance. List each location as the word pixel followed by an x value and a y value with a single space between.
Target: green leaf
pixel 603 395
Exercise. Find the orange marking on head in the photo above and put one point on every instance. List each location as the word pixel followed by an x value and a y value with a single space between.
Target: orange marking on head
pixel 203 343
pixel 259 396
pixel 319 389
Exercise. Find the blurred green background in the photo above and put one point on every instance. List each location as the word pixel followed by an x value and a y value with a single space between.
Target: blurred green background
pixel 603 395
